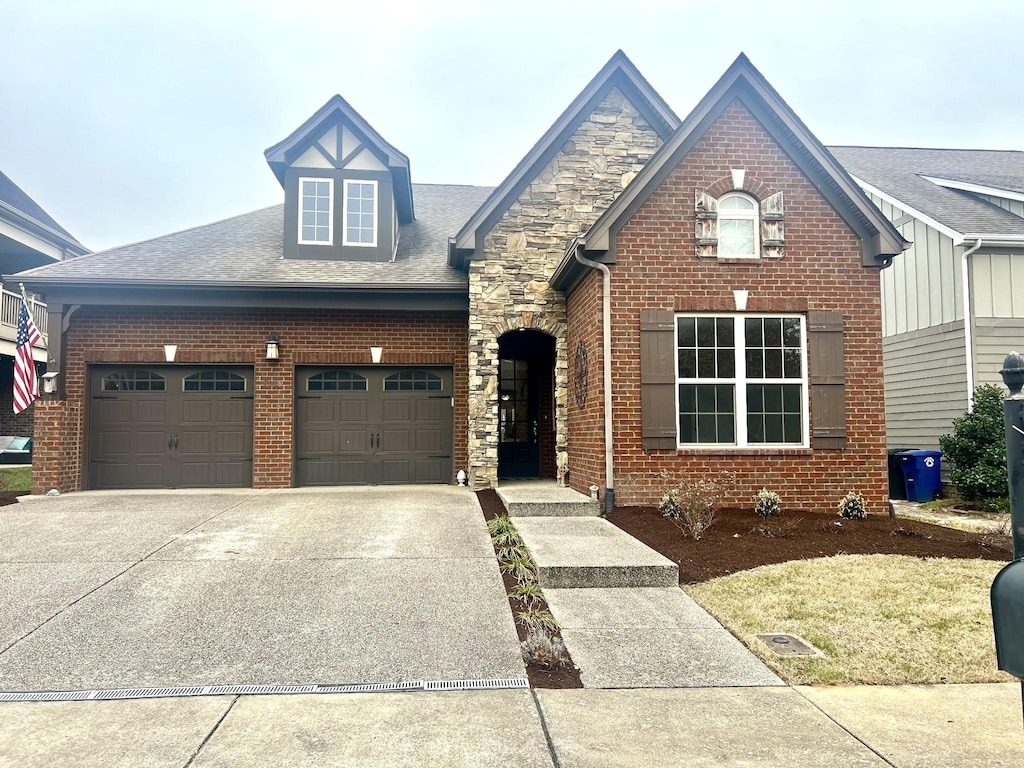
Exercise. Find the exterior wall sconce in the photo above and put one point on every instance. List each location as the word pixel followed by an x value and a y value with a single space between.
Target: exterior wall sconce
pixel 376 353
pixel 50 382
pixel 170 350
pixel 273 351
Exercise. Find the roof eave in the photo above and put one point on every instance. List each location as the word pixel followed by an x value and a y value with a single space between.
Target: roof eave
pixel 40 229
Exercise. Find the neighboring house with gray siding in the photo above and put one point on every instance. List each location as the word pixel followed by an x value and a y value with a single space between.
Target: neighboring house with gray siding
pixel 29 237
pixel 963 210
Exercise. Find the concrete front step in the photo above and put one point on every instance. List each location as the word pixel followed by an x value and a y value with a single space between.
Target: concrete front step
pixel 545 499
pixel 591 552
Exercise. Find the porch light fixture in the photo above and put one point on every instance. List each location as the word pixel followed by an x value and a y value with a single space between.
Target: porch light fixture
pixel 170 350
pixel 376 353
pixel 50 382
pixel 273 352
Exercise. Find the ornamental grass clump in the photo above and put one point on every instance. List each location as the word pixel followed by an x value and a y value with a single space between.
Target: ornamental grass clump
pixel 852 506
pixel 544 648
pixel 767 503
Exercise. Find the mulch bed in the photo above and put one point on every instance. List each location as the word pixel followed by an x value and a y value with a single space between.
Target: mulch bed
pixel 540 677
pixel 734 542
pixel 10 497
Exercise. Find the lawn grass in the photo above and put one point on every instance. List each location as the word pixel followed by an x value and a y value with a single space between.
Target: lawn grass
pixel 879 619
pixel 16 479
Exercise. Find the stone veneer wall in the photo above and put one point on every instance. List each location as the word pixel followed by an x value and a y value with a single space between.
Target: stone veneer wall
pixel 508 283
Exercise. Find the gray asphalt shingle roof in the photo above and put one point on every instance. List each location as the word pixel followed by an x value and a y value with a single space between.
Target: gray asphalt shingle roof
pixel 249 249
pixel 15 197
pixel 899 172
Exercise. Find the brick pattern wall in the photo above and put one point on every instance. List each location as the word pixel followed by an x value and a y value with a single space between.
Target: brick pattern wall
pixel 11 423
pixel 586 419
pixel 508 287
pixel 657 267
pixel 239 336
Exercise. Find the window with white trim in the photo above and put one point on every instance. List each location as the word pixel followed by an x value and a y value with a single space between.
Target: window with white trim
pixel 738 226
pixel 360 213
pixel 741 380
pixel 316 211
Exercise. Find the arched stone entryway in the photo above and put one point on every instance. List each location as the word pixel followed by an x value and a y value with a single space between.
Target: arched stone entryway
pixel 526 405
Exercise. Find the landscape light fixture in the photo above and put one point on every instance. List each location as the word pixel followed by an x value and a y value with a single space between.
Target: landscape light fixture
pixel 273 351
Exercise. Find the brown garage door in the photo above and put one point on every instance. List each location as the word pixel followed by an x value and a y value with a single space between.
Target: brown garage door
pixel 170 427
pixel 357 426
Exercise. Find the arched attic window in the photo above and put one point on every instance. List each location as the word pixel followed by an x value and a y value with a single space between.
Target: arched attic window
pixel 738 226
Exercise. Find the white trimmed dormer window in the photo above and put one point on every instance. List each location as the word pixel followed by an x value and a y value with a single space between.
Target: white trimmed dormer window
pixel 316 211
pixel 360 213
pixel 738 226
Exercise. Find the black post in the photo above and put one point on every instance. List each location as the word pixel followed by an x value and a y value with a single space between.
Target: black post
pixel 1013 423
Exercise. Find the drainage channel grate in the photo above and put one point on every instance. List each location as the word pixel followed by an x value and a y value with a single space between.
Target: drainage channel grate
pixel 117 694
pixel 477 685
pixel 789 645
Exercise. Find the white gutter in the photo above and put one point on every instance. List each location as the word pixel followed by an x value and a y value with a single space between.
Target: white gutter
pixel 968 338
pixel 606 340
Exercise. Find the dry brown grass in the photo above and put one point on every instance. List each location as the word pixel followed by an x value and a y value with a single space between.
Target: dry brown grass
pixel 879 619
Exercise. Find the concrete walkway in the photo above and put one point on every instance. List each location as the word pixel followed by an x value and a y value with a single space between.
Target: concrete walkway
pixel 623 617
pixel 952 726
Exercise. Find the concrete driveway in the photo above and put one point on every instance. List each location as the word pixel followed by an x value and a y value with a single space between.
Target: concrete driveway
pixel 363 585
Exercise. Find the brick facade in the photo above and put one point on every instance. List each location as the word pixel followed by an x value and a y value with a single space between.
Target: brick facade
pixel 238 336
pixel 657 267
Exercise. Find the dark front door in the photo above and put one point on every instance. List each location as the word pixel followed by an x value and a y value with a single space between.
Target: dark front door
pixel 518 419
pixel 170 427
pixel 364 426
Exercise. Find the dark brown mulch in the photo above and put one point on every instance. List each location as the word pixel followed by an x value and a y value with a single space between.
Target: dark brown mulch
pixel 734 544
pixel 540 677
pixel 10 497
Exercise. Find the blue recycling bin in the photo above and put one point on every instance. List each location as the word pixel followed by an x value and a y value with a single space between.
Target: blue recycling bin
pixel 921 473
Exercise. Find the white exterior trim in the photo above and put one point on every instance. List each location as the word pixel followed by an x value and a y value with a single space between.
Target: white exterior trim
pixel 344 213
pixel 740 380
pixel 330 210
pixel 980 189
pixel 957 237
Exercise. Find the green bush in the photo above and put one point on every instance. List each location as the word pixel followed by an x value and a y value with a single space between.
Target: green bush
pixel 976 449
pixel 852 506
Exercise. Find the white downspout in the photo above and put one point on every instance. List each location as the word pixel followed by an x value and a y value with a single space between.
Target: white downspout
pixel 606 341
pixel 968 338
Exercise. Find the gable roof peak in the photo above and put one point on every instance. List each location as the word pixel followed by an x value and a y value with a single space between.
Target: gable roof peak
pixel 619 72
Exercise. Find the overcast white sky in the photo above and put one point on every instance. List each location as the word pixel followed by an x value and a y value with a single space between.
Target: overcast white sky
pixel 128 120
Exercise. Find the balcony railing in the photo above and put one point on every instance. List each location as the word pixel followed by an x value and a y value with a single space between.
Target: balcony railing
pixel 10 306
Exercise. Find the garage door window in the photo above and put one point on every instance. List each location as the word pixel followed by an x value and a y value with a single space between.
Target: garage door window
pixel 336 381
pixel 413 381
pixel 214 381
pixel 134 381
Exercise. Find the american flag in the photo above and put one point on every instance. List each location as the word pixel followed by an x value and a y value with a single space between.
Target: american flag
pixel 26 385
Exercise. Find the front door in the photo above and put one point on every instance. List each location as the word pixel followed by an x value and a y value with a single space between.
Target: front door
pixel 518 422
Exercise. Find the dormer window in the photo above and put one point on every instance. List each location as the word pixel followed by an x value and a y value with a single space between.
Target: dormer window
pixel 737 226
pixel 360 213
pixel 316 215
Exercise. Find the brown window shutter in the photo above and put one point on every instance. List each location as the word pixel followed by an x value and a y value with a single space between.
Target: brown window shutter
pixel 658 379
pixel 772 233
pixel 827 379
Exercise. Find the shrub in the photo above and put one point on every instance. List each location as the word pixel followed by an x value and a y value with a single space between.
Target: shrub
pixel 537 618
pixel 766 503
pixel 693 505
pixel 976 449
pixel 544 648
pixel 530 593
pixel 852 506
pixel 521 569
